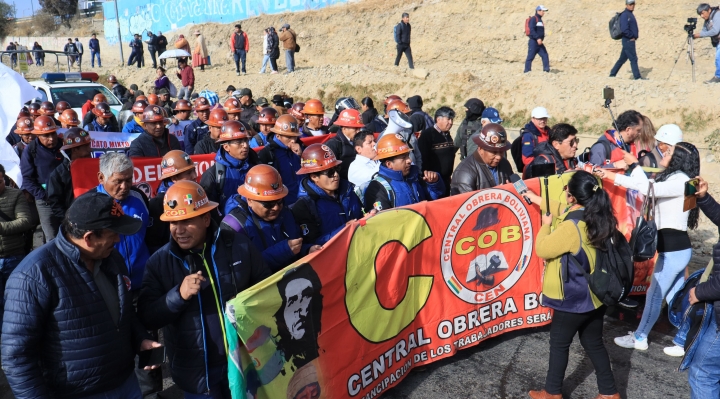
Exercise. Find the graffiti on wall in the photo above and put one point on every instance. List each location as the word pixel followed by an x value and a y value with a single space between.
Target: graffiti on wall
pixel 139 16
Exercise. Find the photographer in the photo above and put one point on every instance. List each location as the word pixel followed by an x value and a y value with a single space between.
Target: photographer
pixel 711 29
pixel 289 39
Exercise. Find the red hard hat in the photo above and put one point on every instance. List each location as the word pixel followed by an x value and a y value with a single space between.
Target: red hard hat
pixel 153 99
pixel 24 112
pixel 297 111
pixel 102 110
pixel 313 107
pixel 43 125
pixel 349 118
pixel 139 106
pixel 232 130
pixel 218 116
pixel 141 97
pixel 112 79
pixel 99 98
pixel 263 183
pixel 47 108
pixel 182 105
pixel 61 106
pixel 232 106
pixel 399 105
pixel 201 104
pixel 268 116
pixel 24 125
pixel 286 125
pixel 70 117
pixel 154 113
pixel 390 98
pixel 316 158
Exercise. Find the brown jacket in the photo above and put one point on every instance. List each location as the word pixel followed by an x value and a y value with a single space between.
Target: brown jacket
pixel 473 174
pixel 288 37
pixel 14 205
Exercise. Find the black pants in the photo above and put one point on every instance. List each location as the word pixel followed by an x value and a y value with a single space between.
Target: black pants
pixel 562 331
pixel 404 48
pixel 273 63
pixel 153 53
pixel 150 381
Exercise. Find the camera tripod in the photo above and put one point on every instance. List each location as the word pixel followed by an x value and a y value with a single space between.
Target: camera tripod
pixel 690 44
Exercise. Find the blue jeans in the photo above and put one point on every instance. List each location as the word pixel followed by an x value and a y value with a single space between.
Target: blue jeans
pixel 667 279
pixel 239 55
pixel 219 385
pixel 128 390
pixel 266 60
pixel 290 60
pixel 535 49
pixel 717 61
pixel 92 58
pixel 704 373
pixel 628 53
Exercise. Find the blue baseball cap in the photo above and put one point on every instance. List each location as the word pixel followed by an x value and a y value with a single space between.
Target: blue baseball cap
pixel 492 115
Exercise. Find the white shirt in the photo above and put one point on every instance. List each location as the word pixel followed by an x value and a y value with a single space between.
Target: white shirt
pixel 362 170
pixel 669 196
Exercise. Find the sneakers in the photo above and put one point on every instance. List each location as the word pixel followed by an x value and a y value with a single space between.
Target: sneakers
pixel 629 341
pixel 543 395
pixel 237 73
pixel 273 72
pixel 628 303
pixel 715 79
pixel 674 351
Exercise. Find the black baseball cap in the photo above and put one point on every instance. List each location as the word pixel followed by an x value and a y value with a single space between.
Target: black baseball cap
pixel 96 211
pixel 261 102
pixel 245 92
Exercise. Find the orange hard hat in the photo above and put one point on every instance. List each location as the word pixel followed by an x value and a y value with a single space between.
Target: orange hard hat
pixel 182 105
pixel 70 117
pixel 75 137
pixel 43 125
pixel 313 107
pixel 232 106
pixel 218 116
pixel 268 116
pixel 232 130
pixel 185 200
pixel 390 98
pixel 174 163
pixel 154 113
pixel 286 125
pixel 139 106
pixel 263 183
pixel 201 104
pixel 34 109
pixel 112 79
pixel 399 105
pixel 391 145
pixel 24 125
pixel 99 98
pixel 316 158
pixel 349 118
pixel 47 108
pixel 153 99
pixel 297 111
pixel 102 110
pixel 61 106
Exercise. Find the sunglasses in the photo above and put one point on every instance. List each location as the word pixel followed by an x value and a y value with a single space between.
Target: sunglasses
pixel 574 141
pixel 331 172
pixel 271 204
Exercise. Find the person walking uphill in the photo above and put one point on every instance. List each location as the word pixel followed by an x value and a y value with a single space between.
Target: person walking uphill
pixel 630 33
pixel 536 42
pixel 289 39
pixel 239 45
pixel 402 40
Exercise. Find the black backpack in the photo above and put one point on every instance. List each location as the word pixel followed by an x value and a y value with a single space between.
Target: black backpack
pixel 612 279
pixel 516 150
pixel 614 25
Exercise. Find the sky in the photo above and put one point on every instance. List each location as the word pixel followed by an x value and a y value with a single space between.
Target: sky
pixel 24 8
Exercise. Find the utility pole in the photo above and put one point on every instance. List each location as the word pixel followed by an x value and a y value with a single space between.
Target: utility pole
pixel 117 20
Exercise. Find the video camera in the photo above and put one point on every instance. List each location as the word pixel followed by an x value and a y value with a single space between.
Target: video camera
pixel 691 26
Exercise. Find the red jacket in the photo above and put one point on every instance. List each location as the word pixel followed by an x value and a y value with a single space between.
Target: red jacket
pixel 232 41
pixel 87 107
pixel 187 76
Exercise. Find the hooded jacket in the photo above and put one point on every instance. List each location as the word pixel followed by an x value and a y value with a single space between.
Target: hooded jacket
pixel 235 171
pixel 235 265
pixel 420 119
pixel 344 150
pixel 133 126
pixel 473 174
pixel 148 146
pixel 532 136
pixel 59 339
pixel 321 216
pixel 36 165
pixel 112 125
pixel 407 190
pixel 279 156
pixel 193 133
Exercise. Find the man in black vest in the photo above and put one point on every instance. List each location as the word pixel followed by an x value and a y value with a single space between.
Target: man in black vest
pixel 239 45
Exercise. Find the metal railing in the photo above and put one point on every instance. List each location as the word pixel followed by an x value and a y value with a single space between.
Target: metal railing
pixel 57 55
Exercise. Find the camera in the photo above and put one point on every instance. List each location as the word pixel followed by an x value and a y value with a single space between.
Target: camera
pixel 691 26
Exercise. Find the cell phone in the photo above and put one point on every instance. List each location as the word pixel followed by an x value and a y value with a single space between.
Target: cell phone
pixel 152 357
pixel 691 187
pixel 608 93
pixel 542 170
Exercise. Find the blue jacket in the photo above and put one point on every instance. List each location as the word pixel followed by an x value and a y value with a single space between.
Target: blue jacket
pixel 271 237
pixel 133 248
pixel 710 290
pixel 193 133
pixel 321 216
pixel 96 127
pixel 531 136
pixel 406 190
pixel 133 127
pixel 235 171
pixel 258 140
pixel 236 265
pixel 36 165
pixel 537 28
pixel 58 338
pixel 279 156
pixel 94 45
pixel 628 25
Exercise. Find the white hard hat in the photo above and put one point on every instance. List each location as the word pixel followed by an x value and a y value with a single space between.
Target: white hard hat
pixel 539 112
pixel 669 134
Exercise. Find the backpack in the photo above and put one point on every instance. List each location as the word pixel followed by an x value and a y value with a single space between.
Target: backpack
pixel 360 190
pixel 396 33
pixel 429 122
pixel 649 156
pixel 527 26
pixel 516 150
pixel 612 279
pixel 614 25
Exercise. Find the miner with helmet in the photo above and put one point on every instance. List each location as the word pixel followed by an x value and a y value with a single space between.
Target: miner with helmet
pixel 48 109
pixel 187 284
pixel 179 120
pixel 296 110
pixel 282 152
pixel 69 119
pixel 487 167
pixel 76 145
pixel 103 121
pixel 261 214
pixel 38 161
pixel 265 122
pixel 197 129
pixel 233 160
pixel 155 140
pixel 62 106
pixel 350 122
pixel 136 123
pixel 23 129
pixel 175 166
pixel 90 104
pixel 208 144
pixel 399 122
pixel 34 110
pixel 118 90
pixel 314 112
pixel 89 116
pixel 326 201
pixel 232 107
pixel 164 99
pixel 12 137
pixel 399 182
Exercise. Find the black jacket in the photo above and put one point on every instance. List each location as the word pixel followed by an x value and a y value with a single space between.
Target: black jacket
pixel 709 291
pixel 236 264
pixel 122 93
pixel 247 112
pixel 161 43
pixel 545 153
pixel 112 124
pixel 147 146
pixel 206 145
pixel 404 33
pixel 344 151
pixel 473 174
pixel 60 190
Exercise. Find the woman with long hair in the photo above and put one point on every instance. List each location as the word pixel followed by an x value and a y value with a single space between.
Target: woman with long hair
pixel 162 80
pixel 569 240
pixel 681 163
pixel 646 140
